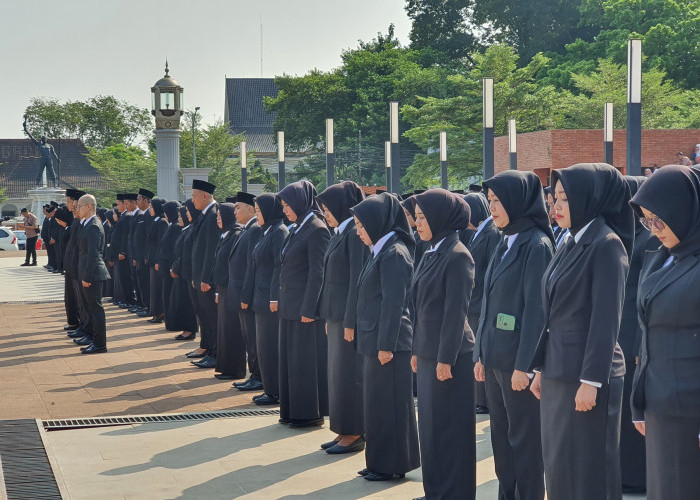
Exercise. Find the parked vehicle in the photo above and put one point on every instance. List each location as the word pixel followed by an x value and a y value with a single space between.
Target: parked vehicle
pixel 8 240
pixel 21 239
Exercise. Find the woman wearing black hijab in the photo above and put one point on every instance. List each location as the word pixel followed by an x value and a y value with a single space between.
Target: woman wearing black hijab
pixel 165 257
pixel 579 363
pixel 156 230
pixel 182 297
pixel 303 345
pixel 343 263
pixel 230 350
pixel 108 290
pixel 420 245
pixel 632 449
pixel 442 348
pixel 111 258
pixel 384 337
pixel 482 244
pixel 666 392
pixel 510 323
pixel 261 290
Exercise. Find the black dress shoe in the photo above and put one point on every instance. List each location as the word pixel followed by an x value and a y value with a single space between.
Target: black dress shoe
pixel 68 327
pixel 284 420
pixel 33 264
pixel 255 398
pixel 300 423
pixel 155 320
pixel 364 472
pixel 194 355
pixel 358 445
pixel 330 444
pixel 134 309
pixel 252 385
pixel 482 410
pixel 267 400
pixel 86 340
pixel 142 314
pixel 380 476
pixel 190 337
pixel 25 264
pixel 205 362
pixel 223 376
pixel 238 384
pixel 76 334
pixel 93 349
pixel 634 490
pixel 125 306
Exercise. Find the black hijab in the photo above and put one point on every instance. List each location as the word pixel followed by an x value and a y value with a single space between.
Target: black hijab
pixel 189 205
pixel 301 198
pixel 109 217
pixel 382 214
pixel 171 210
pixel 445 212
pixel 522 198
pixel 340 198
pixel 183 214
pixel 635 182
pixel 157 204
pixel 408 204
pixel 227 211
pixel 101 214
pixel 479 208
pixel 270 208
pixel 598 190
pixel 672 193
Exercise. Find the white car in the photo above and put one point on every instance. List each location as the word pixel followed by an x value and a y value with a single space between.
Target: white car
pixel 8 240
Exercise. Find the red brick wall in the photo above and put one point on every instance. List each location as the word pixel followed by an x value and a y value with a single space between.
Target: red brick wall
pixel 562 148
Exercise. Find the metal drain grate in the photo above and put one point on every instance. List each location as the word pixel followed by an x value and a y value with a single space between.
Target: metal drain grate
pixel 82 423
pixel 25 466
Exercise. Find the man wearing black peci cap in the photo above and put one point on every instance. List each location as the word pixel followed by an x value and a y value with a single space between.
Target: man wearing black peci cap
pixel 475 188
pixel 75 313
pixel 205 236
pixel 120 244
pixel 138 252
pixel 238 267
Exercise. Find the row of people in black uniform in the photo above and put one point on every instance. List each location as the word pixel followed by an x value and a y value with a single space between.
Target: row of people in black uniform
pixel 548 321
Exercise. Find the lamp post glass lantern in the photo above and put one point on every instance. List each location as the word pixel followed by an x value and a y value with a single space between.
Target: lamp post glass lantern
pixel 194 135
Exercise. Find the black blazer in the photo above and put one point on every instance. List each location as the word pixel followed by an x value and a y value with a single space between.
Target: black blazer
pixel 182 266
pixel 442 286
pixel 630 337
pixel 301 272
pixel 343 262
pixel 262 280
pixel 205 237
pixel 421 247
pixel 155 230
pixel 138 237
pixel 91 242
pixel 223 249
pixel 582 302
pixel 70 257
pixel 512 287
pixel 239 259
pixel 165 258
pixel 120 240
pixel 667 380
pixel 46 229
pixel 482 249
pixel 383 295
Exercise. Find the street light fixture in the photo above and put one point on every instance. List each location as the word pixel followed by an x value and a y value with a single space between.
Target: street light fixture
pixel 194 134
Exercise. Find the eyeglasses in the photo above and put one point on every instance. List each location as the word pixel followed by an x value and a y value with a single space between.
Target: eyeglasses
pixel 652 223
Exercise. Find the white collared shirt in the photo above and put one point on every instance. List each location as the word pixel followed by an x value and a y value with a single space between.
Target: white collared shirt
pixel 250 222
pixel 133 212
pixel 482 226
pixel 377 247
pixel 141 212
pixel 579 235
pixel 84 222
pixel 308 216
pixel 213 201
pixel 223 235
pixel 510 239
pixel 432 249
pixel 343 225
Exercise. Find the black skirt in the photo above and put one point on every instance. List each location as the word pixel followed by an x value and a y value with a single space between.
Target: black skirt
pixel 302 365
pixel 267 327
pixel 181 312
pixel 632 446
pixel 480 388
pixel 581 450
pixel 230 346
pixel 166 289
pixel 447 427
pixel 390 416
pixel 673 457
pixel 344 383
pixel 155 282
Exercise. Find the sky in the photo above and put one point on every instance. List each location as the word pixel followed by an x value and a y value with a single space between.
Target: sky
pixel 76 49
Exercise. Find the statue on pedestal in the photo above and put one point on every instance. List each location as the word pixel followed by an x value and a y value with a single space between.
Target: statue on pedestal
pixel 47 153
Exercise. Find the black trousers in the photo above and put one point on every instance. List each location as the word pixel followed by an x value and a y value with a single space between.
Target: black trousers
pixel 143 276
pixel 70 302
pixel 92 300
pixel 673 457
pixel 581 450
pixel 267 328
pixel 230 346
pixel 30 249
pixel 208 319
pixel 480 389
pixel 126 283
pixel 155 294
pixel 83 314
pixel 247 319
pixel 51 254
pixel 632 446
pixel 515 438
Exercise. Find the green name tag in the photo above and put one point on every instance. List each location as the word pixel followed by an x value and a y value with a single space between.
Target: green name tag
pixel 505 322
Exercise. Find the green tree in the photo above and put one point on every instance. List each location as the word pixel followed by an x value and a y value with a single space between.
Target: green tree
pixel 125 169
pixel 260 175
pixel 99 122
